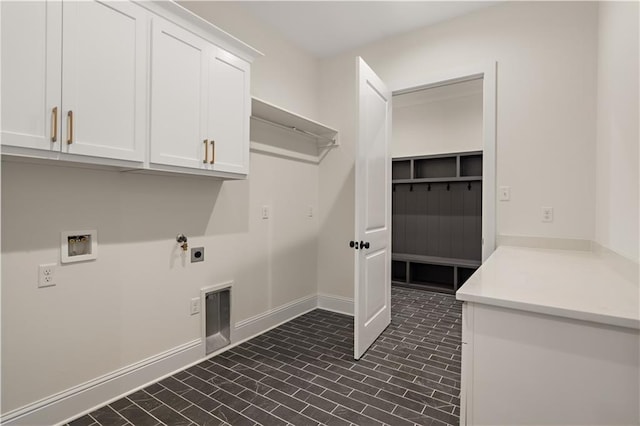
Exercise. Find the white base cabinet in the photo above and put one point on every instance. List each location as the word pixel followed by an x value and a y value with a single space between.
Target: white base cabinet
pixel 138 85
pixel 524 368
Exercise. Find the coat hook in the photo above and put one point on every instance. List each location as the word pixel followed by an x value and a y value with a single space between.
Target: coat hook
pixel 429 187
pixel 411 188
pixel 393 187
pixel 469 186
pixel 448 187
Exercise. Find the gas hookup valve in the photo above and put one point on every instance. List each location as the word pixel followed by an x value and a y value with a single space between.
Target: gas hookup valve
pixel 182 241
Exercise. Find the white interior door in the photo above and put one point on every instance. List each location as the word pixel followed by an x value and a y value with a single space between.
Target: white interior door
pixel 373 209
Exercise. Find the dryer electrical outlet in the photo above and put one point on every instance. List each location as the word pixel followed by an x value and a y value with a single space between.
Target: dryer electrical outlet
pixel 197 254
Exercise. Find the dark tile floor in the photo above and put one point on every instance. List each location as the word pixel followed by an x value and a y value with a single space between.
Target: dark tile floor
pixel 303 373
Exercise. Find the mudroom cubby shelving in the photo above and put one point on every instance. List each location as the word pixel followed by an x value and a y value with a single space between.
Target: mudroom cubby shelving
pixel 436 220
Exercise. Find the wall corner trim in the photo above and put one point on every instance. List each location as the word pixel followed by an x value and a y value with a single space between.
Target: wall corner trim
pixel 272 318
pixel 341 305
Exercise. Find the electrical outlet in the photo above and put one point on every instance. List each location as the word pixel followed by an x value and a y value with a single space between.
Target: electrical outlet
pixel 265 212
pixel 195 306
pixel 547 214
pixel 310 211
pixel 46 275
pixel 197 254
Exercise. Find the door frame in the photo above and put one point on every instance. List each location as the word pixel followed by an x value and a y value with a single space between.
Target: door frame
pixel 486 71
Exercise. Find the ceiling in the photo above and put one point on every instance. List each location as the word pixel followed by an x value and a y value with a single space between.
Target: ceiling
pixel 326 28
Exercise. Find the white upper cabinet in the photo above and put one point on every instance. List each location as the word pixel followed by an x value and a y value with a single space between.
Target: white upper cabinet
pixel 141 85
pixel 200 103
pixel 77 88
pixel 178 97
pixel 31 74
pixel 104 79
pixel 229 110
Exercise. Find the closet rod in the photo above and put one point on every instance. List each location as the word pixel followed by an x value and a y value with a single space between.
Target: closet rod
pixel 332 141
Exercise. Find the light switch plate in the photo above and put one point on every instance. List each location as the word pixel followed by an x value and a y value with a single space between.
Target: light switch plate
pixel 505 193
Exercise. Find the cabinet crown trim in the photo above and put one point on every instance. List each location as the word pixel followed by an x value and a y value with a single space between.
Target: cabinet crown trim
pixel 184 17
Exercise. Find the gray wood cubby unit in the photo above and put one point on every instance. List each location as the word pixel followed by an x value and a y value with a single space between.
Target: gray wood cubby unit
pixel 436 220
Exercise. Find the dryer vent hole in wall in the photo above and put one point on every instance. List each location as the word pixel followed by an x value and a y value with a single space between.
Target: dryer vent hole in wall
pixel 217 310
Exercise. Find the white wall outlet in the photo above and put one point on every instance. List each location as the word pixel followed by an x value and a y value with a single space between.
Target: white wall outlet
pixel 310 211
pixel 265 212
pixel 46 275
pixel 195 306
pixel 547 214
pixel 505 193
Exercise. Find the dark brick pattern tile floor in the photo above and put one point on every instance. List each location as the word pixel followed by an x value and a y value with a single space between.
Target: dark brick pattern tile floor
pixel 303 373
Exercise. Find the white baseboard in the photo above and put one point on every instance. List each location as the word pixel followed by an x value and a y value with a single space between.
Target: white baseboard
pixel 84 398
pixel 341 305
pixel 544 242
pixel 95 393
pixel 272 318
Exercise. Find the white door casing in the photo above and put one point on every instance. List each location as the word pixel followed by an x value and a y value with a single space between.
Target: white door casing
pixel 372 307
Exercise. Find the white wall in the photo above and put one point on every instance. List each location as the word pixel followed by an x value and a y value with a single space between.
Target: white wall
pixel 617 213
pixel 438 123
pixel 133 301
pixel 546 110
pixel 286 76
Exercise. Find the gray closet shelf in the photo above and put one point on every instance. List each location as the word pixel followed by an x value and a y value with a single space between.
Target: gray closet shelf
pixel 436 180
pixel 436 260
pixel 436 229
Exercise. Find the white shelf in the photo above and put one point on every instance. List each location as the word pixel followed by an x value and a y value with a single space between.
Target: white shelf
pixel 263 111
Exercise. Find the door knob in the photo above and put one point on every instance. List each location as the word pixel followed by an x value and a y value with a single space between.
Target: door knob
pixel 353 244
pixel 364 245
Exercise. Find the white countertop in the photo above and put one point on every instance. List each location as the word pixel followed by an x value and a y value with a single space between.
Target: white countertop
pixel 573 284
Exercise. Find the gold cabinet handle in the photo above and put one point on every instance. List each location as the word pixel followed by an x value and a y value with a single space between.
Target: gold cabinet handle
pixel 206 151
pixel 69 127
pixel 213 152
pixel 54 124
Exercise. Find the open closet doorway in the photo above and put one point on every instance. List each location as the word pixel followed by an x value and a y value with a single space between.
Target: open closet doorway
pixel 443 181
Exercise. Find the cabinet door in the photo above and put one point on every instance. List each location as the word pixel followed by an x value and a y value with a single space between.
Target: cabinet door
pixel 31 55
pixel 104 79
pixel 229 109
pixel 178 97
